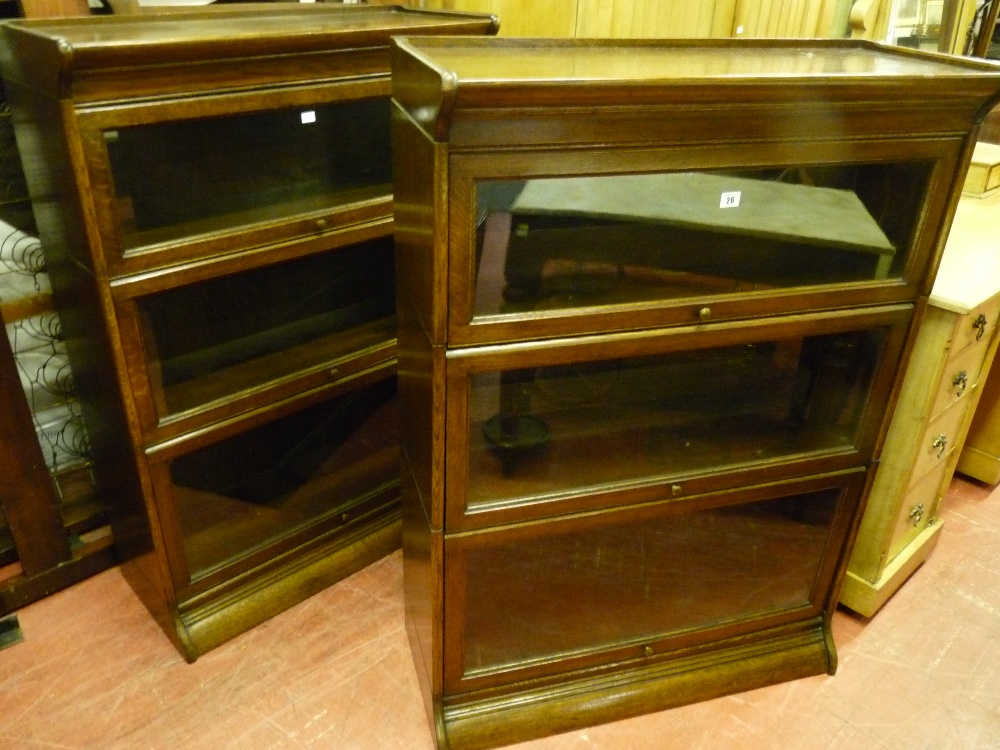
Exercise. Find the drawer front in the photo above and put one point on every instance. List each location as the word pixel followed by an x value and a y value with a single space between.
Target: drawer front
pixel 938 442
pixel 538 599
pixel 563 426
pixel 961 374
pixel 976 327
pixel 919 507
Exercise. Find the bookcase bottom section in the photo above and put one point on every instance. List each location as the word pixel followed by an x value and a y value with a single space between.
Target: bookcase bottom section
pixel 218 616
pixel 867 597
pixel 744 664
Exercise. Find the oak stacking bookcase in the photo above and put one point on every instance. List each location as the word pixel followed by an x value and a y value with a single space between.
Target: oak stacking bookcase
pixel 654 303
pixel 212 190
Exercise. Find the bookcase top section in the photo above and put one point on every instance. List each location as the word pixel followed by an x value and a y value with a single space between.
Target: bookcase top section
pixel 228 32
pixel 583 61
pixel 445 80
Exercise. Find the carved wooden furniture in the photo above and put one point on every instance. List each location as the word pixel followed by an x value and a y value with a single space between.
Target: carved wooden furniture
pixel 950 361
pixel 215 196
pixel 653 298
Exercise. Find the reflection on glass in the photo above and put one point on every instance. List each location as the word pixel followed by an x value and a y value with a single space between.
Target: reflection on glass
pixel 210 340
pixel 580 241
pixel 178 179
pixel 637 580
pixel 262 485
pixel 550 430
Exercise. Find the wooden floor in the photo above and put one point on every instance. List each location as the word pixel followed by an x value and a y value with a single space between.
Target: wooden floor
pixel 94 672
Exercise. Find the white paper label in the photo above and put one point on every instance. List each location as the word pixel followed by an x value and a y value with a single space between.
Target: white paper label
pixel 730 200
pixel 308 116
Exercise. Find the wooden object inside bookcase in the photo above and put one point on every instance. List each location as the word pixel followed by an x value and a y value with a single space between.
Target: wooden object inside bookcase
pixel 214 196
pixel 642 397
pixel 951 360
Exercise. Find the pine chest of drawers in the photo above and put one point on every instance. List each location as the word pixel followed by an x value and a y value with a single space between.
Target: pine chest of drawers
pixel 980 453
pixel 951 359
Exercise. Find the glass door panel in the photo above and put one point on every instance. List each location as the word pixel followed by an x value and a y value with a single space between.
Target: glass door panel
pixel 538 433
pixel 563 243
pixel 328 462
pixel 183 178
pixel 209 340
pixel 540 595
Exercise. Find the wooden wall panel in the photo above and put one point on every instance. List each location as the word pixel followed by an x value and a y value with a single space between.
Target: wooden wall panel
pixel 654 18
pixel 747 18
pixel 784 18
pixel 520 17
pixel 724 18
pixel 662 18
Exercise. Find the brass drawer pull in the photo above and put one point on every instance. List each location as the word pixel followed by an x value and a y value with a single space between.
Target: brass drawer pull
pixel 979 326
pixel 961 382
pixel 940 444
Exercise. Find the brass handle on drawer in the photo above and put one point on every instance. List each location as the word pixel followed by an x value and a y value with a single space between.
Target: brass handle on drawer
pixel 961 382
pixel 705 313
pixel 321 224
pixel 916 513
pixel 979 326
pixel 939 444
